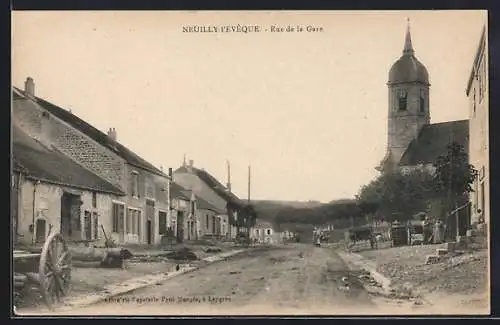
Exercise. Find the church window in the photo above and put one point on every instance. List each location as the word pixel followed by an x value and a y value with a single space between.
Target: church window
pixel 422 103
pixel 402 100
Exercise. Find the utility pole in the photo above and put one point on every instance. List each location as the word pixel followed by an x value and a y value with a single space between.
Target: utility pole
pixel 249 176
pixel 228 176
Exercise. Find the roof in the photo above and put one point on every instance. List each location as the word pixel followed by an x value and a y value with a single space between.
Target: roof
pixel 433 140
pixel 39 162
pixel 213 183
pixel 178 192
pixel 480 50
pixel 408 68
pixel 202 204
pixel 95 134
pixel 263 225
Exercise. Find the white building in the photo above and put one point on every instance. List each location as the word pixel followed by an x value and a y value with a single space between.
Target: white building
pixel 477 92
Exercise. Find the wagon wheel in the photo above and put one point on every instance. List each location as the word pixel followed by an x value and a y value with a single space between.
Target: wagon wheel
pixel 55 269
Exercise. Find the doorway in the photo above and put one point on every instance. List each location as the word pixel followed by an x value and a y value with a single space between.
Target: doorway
pixel 70 216
pixel 180 226
pixel 149 232
pixel 150 217
pixel 41 225
pixel 87 226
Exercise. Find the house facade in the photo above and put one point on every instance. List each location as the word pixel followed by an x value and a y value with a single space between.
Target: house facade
pixel 194 218
pixel 52 193
pixel 136 217
pixel 478 93
pixel 263 233
pixel 205 186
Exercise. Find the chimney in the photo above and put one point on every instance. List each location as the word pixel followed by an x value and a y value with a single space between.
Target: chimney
pixel 29 87
pixel 112 134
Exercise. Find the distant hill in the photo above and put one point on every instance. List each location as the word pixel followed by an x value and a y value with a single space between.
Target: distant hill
pixel 289 204
pixel 268 209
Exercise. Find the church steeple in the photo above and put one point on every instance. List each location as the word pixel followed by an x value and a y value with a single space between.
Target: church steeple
pixel 408 87
pixel 408 49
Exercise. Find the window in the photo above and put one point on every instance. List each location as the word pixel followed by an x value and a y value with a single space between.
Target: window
pixel 135 184
pixel 133 221
pixel 139 223
pixel 130 215
pixel 94 199
pixel 268 231
pixel 95 221
pixel 213 225
pixel 422 103
pixel 118 216
pixel 482 198
pixel 402 100
pixel 162 218
pixel 193 207
pixel 476 194
pixel 207 221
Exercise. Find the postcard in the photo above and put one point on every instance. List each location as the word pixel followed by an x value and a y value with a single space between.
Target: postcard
pixel 250 163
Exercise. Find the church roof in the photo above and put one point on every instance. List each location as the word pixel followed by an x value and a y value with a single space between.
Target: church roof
pixel 432 141
pixel 408 68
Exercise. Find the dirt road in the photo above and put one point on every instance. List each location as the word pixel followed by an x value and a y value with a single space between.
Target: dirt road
pixel 292 279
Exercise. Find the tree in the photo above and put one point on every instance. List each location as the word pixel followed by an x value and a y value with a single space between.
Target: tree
pixel 233 212
pixel 241 216
pixel 397 194
pixel 454 176
pixel 248 218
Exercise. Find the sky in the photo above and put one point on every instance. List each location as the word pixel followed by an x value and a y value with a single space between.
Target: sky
pixel 307 111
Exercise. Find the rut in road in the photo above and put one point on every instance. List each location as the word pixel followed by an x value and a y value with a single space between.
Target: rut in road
pixel 297 277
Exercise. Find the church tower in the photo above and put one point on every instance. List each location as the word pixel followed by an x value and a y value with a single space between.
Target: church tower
pixel 408 87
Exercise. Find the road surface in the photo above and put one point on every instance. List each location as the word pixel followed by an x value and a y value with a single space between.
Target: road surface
pixel 288 279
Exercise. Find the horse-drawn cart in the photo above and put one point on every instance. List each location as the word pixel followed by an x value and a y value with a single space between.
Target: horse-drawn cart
pixel 48 267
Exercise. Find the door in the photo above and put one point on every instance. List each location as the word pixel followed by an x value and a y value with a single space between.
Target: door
pixel 149 232
pixel 87 226
pixel 180 226
pixel 40 230
pixel 150 217
pixel 70 216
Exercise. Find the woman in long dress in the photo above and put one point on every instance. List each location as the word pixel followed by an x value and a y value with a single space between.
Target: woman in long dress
pixel 438 235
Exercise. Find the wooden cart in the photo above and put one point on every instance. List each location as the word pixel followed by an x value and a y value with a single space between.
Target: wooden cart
pixel 49 268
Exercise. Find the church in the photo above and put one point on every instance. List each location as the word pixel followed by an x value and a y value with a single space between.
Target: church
pixel 412 140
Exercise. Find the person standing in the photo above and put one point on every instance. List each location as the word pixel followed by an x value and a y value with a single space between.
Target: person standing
pixel 426 229
pixel 438 232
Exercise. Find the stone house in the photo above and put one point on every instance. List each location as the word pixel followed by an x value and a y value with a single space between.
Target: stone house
pixel 52 193
pixel 180 210
pixel 478 93
pixel 212 222
pixel 135 217
pixel 205 186
pixel 193 217
pixel 263 233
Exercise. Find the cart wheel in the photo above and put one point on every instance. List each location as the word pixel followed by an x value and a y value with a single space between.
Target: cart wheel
pixel 55 269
